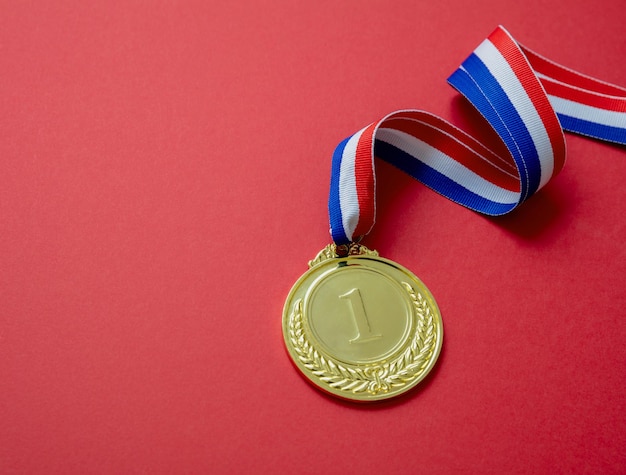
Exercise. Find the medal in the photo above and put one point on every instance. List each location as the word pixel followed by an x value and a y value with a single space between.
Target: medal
pixel 360 326
pixel 364 328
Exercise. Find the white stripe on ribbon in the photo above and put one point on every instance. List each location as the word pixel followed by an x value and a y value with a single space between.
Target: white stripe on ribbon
pixel 447 166
pixel 588 113
pixel 501 70
pixel 348 197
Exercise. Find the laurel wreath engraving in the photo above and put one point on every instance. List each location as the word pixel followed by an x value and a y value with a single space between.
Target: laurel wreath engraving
pixel 376 378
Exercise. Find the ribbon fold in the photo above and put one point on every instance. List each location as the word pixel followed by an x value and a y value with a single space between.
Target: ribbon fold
pixel 527 99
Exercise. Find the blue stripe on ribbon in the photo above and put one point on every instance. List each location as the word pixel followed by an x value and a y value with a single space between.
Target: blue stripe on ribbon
pixel 334 203
pixel 438 181
pixel 482 89
pixel 592 129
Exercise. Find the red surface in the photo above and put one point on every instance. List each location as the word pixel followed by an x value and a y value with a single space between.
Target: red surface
pixel 163 180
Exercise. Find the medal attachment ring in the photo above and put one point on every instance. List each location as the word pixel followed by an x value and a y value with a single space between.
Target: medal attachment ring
pixel 361 327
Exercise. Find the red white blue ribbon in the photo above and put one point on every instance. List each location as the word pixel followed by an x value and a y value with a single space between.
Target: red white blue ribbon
pixel 527 99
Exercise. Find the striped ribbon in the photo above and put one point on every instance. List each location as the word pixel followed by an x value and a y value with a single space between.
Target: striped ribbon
pixel 527 99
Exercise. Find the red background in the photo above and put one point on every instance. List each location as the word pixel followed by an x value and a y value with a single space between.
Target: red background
pixel 164 169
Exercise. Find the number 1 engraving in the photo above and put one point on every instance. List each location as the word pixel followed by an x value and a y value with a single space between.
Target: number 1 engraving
pixel 363 327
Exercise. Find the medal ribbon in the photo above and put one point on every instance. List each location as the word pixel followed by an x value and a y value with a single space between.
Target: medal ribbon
pixel 527 99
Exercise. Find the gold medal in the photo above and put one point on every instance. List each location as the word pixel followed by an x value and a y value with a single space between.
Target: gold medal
pixel 361 327
pixel 365 328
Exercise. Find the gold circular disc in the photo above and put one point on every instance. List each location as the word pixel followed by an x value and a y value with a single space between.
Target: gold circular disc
pixel 362 327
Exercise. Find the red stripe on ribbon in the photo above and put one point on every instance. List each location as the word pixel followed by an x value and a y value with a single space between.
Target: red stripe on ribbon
pixel 364 179
pixel 588 98
pixel 562 74
pixel 457 151
pixel 520 64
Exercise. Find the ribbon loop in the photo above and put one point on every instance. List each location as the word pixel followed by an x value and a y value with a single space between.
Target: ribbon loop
pixel 527 99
